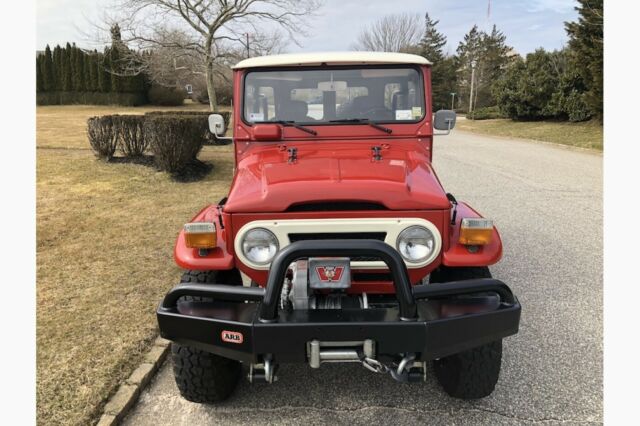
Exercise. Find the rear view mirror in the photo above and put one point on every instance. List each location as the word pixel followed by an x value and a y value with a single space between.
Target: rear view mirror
pixel 445 119
pixel 216 125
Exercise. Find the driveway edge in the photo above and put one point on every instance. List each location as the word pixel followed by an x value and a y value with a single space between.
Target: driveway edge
pixel 129 391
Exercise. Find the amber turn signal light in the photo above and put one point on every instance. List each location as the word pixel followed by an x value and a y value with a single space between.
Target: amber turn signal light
pixel 476 231
pixel 200 235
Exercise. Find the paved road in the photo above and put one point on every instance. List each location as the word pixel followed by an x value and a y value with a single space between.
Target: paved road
pixel 547 202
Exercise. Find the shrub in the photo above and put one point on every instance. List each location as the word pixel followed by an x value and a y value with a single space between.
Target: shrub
pixel 202 123
pixel 165 96
pixel 486 113
pixel 174 140
pixel 103 136
pixel 131 136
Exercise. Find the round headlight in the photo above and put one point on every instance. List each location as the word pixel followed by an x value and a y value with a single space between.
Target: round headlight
pixel 259 245
pixel 416 244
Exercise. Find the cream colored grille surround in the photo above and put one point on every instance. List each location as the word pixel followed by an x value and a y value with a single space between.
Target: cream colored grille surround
pixel 392 226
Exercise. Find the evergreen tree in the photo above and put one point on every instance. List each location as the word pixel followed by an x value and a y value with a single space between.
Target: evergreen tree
pixel 39 78
pixel 586 42
pixel 116 81
pixel 67 73
pixel 57 66
pixel 48 79
pixel 78 70
pixel 91 72
pixel 86 77
pixel 104 77
pixel 432 43
pixel 467 54
pixel 493 63
pixel 443 71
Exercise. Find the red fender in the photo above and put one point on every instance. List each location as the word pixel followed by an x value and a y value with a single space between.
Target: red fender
pixel 459 255
pixel 217 258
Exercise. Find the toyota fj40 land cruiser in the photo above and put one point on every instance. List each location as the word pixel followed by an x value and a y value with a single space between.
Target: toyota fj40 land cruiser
pixel 337 242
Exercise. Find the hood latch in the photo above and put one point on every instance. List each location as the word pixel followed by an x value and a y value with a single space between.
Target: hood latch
pixel 377 153
pixel 293 155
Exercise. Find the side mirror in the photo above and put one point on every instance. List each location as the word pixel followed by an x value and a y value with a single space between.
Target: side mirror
pixel 445 119
pixel 216 125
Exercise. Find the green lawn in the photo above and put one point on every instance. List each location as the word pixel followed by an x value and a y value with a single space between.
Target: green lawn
pixel 583 135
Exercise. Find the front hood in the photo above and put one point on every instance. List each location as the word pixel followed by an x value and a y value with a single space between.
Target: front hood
pixel 266 181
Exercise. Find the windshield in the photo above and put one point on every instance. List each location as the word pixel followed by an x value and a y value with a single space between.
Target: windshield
pixel 317 96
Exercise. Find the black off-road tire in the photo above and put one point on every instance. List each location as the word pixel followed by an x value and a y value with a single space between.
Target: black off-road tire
pixel 471 374
pixel 202 376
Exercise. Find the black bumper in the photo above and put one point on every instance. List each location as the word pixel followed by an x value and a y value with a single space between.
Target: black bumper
pixel 244 323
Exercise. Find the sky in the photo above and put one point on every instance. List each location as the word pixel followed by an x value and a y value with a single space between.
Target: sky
pixel 528 24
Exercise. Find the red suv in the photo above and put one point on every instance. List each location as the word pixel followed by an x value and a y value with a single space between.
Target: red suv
pixel 336 242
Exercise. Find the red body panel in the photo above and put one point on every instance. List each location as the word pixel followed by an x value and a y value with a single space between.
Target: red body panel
pixel 219 258
pixel 266 181
pixel 335 165
pixel 459 255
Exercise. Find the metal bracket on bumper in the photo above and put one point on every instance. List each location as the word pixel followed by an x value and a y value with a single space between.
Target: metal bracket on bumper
pixel 244 323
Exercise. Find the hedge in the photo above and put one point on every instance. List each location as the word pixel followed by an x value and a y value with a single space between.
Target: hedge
pixel 166 96
pixel 208 138
pixel 174 140
pixel 486 113
pixel 130 132
pixel 103 136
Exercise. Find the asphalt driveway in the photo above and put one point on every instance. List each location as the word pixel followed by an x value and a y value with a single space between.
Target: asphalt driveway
pixel 547 203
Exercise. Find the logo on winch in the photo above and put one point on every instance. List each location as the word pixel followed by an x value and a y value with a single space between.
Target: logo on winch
pixel 232 336
pixel 329 273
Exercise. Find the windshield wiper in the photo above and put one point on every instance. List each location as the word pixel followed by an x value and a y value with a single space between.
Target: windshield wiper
pixel 363 121
pixel 292 124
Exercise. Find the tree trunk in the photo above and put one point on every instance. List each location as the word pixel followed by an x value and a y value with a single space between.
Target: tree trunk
pixel 211 91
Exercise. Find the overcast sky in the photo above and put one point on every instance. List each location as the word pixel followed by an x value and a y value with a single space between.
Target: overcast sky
pixel 528 24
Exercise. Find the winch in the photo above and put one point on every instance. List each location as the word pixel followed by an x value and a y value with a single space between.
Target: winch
pixel 322 274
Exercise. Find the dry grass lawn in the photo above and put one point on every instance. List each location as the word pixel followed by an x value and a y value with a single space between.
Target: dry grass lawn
pixel 583 135
pixel 105 235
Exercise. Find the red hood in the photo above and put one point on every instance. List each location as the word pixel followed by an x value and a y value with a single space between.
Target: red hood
pixel 328 171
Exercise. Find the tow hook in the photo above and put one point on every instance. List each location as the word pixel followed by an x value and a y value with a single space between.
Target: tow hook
pixel 265 371
pixel 407 371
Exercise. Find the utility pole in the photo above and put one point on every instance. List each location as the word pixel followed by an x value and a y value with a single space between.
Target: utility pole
pixel 473 77
pixel 248 51
pixel 453 96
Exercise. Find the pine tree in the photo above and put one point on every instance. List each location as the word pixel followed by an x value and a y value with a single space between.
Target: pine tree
pixel 67 73
pixel 116 81
pixel 104 78
pixel 91 72
pixel 586 42
pixel 86 76
pixel 78 71
pixel 48 78
pixel 432 43
pixel 57 65
pixel 39 78
pixel 467 53
pixel 443 72
pixel 494 61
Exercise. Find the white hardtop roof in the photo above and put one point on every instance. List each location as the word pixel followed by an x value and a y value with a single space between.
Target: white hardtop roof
pixel 331 58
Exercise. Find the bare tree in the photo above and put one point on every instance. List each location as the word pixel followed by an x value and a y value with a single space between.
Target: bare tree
pixel 206 36
pixel 392 33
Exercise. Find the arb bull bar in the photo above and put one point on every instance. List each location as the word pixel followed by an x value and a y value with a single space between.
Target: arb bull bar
pixel 244 323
